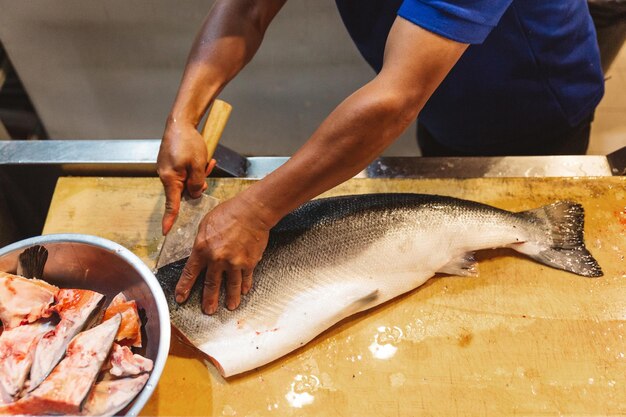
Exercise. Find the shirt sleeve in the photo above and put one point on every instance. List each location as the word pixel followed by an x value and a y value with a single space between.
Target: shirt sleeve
pixel 466 21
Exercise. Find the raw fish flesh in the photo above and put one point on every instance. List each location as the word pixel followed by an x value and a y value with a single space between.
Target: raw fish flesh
pixel 78 309
pixel 67 387
pixel 23 300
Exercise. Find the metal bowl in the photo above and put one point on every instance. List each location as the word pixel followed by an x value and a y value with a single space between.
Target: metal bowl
pixel 94 263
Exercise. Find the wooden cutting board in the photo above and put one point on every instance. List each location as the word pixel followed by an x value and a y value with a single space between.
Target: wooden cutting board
pixel 520 339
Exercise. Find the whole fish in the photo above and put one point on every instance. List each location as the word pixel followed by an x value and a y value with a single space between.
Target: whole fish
pixel 334 257
pixel 66 389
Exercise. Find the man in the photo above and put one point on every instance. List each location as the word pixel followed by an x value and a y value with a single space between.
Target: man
pixel 528 84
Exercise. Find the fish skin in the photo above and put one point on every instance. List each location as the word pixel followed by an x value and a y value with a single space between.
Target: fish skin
pixel 76 308
pixel 334 257
pixel 68 385
pixel 109 397
pixel 24 300
pixel 17 349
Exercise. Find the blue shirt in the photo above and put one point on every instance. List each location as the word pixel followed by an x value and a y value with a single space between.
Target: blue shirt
pixel 532 70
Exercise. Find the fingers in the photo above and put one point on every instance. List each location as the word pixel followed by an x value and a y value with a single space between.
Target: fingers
pixel 173 190
pixel 212 284
pixel 188 277
pixel 207 172
pixel 210 166
pixel 233 289
pixel 246 281
pixel 196 183
pixel 211 291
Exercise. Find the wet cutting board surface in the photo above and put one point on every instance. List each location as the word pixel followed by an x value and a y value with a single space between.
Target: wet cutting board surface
pixel 519 339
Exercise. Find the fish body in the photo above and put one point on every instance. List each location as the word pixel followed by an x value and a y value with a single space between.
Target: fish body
pixel 66 388
pixel 334 257
pixel 17 349
pixel 24 300
pixel 77 309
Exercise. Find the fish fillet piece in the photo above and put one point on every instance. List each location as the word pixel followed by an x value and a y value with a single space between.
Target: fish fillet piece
pixel 77 309
pixel 24 300
pixel 109 397
pixel 334 257
pixel 123 362
pixel 17 348
pixel 130 330
pixel 67 387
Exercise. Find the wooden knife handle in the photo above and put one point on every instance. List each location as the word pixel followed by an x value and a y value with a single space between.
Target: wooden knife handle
pixel 215 124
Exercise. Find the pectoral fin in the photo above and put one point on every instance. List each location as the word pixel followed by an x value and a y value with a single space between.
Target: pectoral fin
pixel 465 266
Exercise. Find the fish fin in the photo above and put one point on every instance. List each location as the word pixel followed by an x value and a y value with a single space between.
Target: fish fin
pixel 32 261
pixel 565 248
pixel 362 301
pixel 465 266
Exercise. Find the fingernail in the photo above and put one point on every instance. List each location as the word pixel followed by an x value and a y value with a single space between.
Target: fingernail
pixel 232 305
pixel 180 298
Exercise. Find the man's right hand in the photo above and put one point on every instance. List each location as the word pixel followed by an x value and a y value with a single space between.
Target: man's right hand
pixel 181 164
pixel 230 36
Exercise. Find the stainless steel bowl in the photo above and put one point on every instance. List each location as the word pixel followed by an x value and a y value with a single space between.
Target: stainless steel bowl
pixel 90 262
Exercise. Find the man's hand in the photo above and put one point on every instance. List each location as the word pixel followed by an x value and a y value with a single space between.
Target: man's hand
pixel 230 242
pixel 181 164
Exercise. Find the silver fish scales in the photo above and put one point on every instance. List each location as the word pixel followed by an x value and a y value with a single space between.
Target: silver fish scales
pixel 334 257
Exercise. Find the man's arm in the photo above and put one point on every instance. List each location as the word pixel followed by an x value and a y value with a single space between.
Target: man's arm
pixel 365 124
pixel 228 39
pixel 233 236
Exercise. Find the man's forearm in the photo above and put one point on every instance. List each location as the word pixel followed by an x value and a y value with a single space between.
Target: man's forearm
pixel 360 128
pixel 349 139
pixel 228 39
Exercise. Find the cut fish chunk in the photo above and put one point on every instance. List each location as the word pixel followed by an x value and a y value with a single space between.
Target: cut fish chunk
pixel 67 387
pixel 124 363
pixel 24 300
pixel 76 309
pixel 17 348
pixel 109 397
pixel 130 330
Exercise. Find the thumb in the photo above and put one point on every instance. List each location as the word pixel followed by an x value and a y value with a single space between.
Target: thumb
pixel 210 166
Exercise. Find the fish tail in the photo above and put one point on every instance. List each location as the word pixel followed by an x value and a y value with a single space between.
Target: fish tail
pixel 560 243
